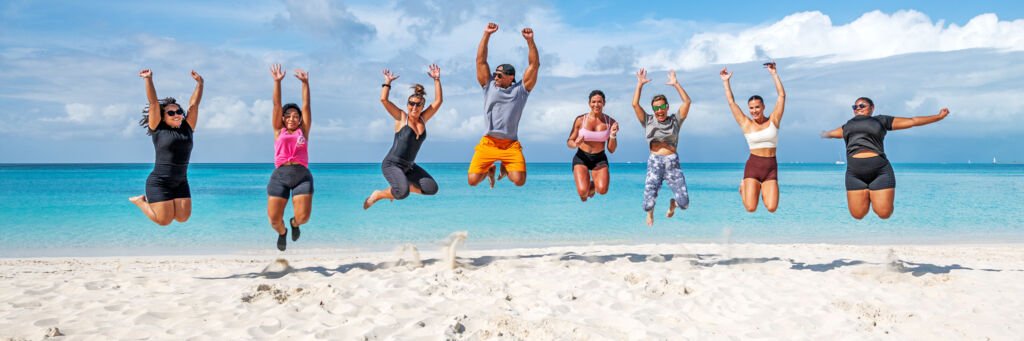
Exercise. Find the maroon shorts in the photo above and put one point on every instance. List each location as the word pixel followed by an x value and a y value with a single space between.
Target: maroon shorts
pixel 761 168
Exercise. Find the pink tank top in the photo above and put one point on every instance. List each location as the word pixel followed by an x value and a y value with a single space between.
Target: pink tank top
pixel 290 148
pixel 595 136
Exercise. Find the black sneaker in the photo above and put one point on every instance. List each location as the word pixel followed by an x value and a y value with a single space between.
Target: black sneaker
pixel 282 241
pixel 295 229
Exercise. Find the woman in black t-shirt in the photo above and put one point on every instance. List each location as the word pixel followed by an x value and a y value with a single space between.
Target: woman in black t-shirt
pixel 167 193
pixel 870 182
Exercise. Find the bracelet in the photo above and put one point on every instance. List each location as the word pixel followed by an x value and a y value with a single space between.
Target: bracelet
pixel 611 137
pixel 385 85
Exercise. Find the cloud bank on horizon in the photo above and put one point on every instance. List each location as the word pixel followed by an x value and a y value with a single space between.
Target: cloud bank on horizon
pixel 84 88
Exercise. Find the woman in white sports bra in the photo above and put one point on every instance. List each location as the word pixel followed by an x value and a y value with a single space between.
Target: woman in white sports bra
pixel 760 175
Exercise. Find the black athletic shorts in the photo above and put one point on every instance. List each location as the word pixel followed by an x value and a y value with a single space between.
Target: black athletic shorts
pixel 590 160
pixel 872 173
pixel 290 178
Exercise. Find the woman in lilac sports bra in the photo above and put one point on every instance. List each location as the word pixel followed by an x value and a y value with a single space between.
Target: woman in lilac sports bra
pixel 291 159
pixel 760 175
pixel 399 167
pixel 590 132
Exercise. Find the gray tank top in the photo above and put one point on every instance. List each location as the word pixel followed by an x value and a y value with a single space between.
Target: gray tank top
pixel 504 108
pixel 666 131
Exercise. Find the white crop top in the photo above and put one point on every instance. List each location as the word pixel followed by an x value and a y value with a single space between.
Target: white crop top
pixel 764 138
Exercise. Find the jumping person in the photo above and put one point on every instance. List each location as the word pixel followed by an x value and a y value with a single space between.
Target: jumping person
pixel 504 100
pixel 662 136
pixel 870 181
pixel 291 159
pixel 760 175
pixel 167 193
pixel 399 166
pixel 590 132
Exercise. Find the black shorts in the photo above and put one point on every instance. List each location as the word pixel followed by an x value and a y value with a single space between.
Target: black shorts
pixel 290 178
pixel 872 173
pixel 590 160
pixel 166 187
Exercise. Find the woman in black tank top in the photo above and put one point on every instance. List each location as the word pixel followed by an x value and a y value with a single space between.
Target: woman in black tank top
pixel 399 166
pixel 870 181
pixel 167 195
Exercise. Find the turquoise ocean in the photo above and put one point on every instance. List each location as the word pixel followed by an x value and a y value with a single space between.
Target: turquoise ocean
pixel 82 209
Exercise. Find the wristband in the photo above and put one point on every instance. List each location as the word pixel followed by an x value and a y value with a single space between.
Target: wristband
pixel 385 85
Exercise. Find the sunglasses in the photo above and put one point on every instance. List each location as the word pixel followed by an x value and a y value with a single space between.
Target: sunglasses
pixel 859 106
pixel 659 107
pixel 175 112
pixel 501 75
pixel 415 104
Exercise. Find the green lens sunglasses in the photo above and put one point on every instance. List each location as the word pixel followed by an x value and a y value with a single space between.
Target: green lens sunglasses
pixel 659 107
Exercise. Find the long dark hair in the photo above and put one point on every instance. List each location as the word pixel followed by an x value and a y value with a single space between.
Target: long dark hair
pixel 144 122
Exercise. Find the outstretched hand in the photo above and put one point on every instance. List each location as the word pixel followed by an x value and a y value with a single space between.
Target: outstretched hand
pixel 943 113
pixel 389 76
pixel 672 78
pixel 771 67
pixel 276 72
pixel 725 74
pixel 528 33
pixel 301 75
pixel 197 77
pixel 435 72
pixel 641 77
pixel 491 28
pixel 147 74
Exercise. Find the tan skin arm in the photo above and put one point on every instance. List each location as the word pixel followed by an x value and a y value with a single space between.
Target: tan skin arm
pixel 833 134
pixel 574 133
pixel 530 75
pixel 193 102
pixel 435 73
pixel 612 141
pixel 392 109
pixel 909 122
pixel 684 109
pixel 780 102
pixel 307 115
pixel 155 114
pixel 737 112
pixel 275 116
pixel 641 79
pixel 483 71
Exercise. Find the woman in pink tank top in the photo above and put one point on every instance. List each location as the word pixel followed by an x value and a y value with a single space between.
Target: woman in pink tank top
pixel 291 160
pixel 590 132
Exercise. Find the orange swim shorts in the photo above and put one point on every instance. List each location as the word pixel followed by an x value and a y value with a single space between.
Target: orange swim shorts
pixel 491 150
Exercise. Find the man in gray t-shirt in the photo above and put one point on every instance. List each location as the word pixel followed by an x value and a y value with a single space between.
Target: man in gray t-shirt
pixel 504 100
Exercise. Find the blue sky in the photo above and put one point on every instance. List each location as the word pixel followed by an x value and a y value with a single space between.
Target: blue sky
pixel 70 92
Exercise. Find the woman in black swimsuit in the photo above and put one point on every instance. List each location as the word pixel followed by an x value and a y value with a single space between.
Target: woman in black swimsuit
pixel 399 166
pixel 870 181
pixel 167 193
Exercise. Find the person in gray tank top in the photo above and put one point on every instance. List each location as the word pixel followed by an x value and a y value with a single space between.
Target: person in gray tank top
pixel 870 180
pixel 662 131
pixel 504 100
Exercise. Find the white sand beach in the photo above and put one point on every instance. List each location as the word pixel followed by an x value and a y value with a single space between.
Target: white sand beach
pixel 619 292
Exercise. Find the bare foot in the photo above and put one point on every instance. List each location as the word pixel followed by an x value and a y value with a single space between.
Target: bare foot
pixel 590 194
pixel 671 208
pixel 490 176
pixel 650 218
pixel 503 173
pixel 372 199
pixel 138 201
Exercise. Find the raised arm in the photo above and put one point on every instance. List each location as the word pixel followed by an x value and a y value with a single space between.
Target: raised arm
pixel 832 134
pixel 155 114
pixel 193 102
pixel 483 71
pixel 435 73
pixel 575 139
pixel 530 75
pixel 385 90
pixel 684 109
pixel 307 115
pixel 780 102
pixel 737 113
pixel 275 116
pixel 908 122
pixel 612 141
pixel 641 79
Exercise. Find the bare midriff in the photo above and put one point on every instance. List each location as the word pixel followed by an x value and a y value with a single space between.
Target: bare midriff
pixel 290 163
pixel 763 152
pixel 592 147
pixel 662 148
pixel 864 155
